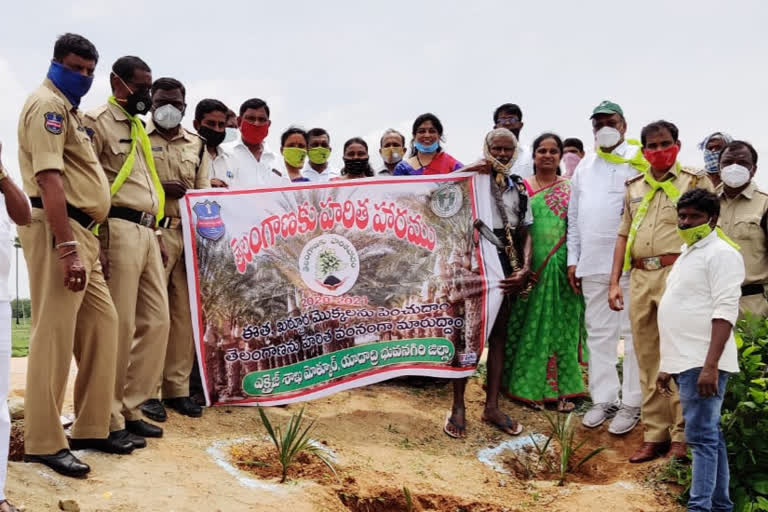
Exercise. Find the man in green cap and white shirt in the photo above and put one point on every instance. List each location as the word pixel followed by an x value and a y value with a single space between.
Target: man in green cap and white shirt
pixel 597 196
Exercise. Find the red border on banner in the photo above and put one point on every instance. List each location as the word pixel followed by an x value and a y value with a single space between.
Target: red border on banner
pixel 203 364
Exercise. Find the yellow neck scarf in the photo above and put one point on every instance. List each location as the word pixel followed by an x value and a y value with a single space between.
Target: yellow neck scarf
pixel 673 194
pixel 638 161
pixel 139 135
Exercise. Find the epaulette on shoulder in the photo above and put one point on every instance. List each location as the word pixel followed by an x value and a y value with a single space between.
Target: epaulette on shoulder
pixel 633 179
pixel 694 171
pixel 193 134
pixel 95 113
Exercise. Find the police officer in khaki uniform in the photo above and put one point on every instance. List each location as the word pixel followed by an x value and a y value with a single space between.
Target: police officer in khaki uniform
pixel 648 243
pixel 744 218
pixel 133 248
pixel 74 313
pixel 182 163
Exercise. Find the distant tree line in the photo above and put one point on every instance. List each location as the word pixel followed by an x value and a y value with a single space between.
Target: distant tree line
pixel 21 309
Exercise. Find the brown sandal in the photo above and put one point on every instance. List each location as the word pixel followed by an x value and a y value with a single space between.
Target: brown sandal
pixel 11 508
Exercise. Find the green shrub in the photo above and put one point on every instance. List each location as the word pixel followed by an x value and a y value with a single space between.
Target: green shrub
pixel 745 418
pixel 744 423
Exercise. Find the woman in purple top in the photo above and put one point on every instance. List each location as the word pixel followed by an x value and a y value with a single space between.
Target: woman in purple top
pixel 427 157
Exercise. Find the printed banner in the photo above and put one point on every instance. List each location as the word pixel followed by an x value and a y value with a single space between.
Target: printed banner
pixel 301 291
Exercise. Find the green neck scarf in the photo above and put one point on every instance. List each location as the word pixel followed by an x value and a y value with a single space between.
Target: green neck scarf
pixel 139 136
pixel 673 194
pixel 638 161
pixel 726 239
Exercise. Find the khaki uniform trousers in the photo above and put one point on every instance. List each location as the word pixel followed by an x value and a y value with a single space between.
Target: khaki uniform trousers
pixel 180 353
pixel 66 323
pixel 137 284
pixel 755 304
pixel 662 416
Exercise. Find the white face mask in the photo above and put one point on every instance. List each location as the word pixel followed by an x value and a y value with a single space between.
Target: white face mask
pixel 735 175
pixel 607 137
pixel 231 135
pixel 167 116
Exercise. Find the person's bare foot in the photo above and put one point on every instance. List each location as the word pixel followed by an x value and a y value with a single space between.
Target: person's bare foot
pixel 456 423
pixel 501 421
pixel 565 406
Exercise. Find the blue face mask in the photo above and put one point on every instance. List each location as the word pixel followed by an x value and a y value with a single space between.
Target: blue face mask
pixel 73 85
pixel 421 148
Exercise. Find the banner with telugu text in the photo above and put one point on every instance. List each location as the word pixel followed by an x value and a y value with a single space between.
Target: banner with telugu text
pixel 304 290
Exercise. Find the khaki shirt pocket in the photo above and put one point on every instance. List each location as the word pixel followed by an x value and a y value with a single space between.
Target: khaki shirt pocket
pixel 116 154
pixel 748 228
pixel 188 166
pixel 668 215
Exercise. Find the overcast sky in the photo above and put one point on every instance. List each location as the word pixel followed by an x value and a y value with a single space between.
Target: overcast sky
pixel 357 68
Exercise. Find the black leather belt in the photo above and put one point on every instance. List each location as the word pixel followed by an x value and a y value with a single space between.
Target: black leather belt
pixel 140 218
pixel 73 213
pixel 170 222
pixel 752 289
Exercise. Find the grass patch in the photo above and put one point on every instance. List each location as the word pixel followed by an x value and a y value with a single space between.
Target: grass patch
pixel 20 338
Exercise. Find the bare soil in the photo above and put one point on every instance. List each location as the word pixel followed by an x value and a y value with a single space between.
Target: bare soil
pixel 386 438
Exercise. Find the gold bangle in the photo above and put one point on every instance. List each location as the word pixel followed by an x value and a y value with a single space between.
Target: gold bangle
pixel 68 254
pixel 70 243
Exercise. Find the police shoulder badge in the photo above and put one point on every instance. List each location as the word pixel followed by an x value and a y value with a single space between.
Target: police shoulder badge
pixel 53 122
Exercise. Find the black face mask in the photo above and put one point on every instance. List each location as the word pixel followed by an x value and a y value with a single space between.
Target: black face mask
pixel 355 166
pixel 212 137
pixel 138 102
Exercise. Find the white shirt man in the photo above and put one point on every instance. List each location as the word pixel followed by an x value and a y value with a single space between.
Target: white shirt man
pixel 704 284
pixel 319 177
pixel 594 212
pixel 511 199
pixel 236 166
pixel 695 318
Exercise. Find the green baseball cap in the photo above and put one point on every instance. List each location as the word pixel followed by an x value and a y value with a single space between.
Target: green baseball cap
pixel 607 107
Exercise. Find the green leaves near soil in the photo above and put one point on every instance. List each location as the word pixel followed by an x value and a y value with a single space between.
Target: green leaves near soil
pixel 293 439
pixel 563 432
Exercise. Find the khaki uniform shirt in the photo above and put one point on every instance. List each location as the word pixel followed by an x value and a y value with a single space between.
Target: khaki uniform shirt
pixel 52 136
pixel 743 220
pixel 112 142
pixel 182 158
pixel 657 234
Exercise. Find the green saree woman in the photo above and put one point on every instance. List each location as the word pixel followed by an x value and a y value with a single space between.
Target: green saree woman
pixel 546 329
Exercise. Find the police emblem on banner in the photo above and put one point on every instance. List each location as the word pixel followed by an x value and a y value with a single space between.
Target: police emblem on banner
pixel 53 122
pixel 209 222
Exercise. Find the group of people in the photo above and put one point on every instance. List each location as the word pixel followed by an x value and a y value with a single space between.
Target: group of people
pixel 685 247
pixel 576 232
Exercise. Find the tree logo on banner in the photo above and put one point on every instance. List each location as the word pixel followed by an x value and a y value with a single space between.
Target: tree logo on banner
pixel 209 222
pixel 447 201
pixel 329 265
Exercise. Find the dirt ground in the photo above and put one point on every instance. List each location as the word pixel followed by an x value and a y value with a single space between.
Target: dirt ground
pixel 384 438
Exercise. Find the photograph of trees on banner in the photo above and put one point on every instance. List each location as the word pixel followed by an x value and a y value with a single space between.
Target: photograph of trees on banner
pixel 305 290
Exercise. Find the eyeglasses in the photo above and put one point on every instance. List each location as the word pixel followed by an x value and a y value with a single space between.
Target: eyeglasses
pixel 508 120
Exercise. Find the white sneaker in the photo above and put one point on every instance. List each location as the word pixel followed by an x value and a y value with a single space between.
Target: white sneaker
pixel 626 419
pixel 598 413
